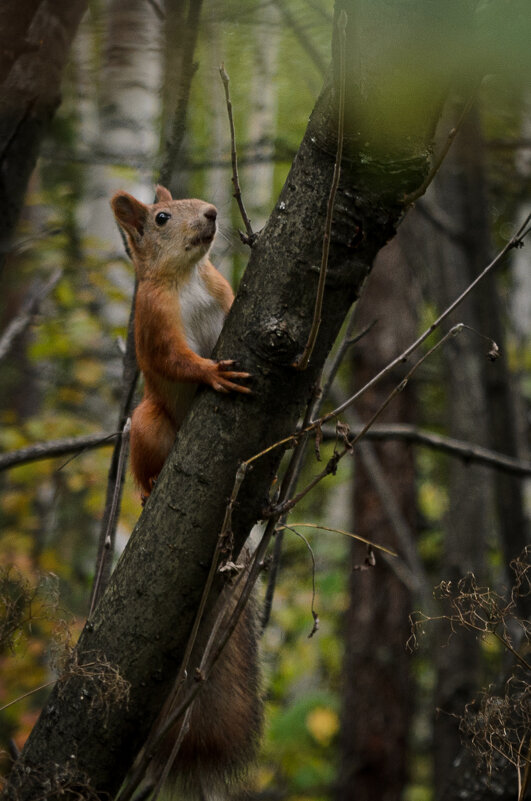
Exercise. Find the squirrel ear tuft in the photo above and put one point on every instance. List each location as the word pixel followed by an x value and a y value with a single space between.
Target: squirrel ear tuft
pixel 129 212
pixel 163 195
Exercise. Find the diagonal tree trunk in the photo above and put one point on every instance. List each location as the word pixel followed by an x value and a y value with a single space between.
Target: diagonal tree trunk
pixel 144 619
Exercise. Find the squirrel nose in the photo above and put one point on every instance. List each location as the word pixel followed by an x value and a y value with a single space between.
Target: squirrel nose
pixel 211 213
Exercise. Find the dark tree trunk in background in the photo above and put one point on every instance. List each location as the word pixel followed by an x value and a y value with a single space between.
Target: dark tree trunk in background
pixel 377 692
pixel 34 41
pixel 144 619
pixel 461 252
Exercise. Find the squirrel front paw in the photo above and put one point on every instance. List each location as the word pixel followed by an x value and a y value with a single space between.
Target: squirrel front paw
pixel 221 377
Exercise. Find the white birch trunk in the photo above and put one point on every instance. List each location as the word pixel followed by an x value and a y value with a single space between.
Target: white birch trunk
pixel 128 109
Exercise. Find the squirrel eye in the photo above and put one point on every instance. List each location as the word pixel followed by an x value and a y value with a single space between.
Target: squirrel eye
pixel 162 217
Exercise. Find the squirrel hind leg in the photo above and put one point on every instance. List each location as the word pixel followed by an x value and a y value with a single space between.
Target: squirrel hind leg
pixel 152 436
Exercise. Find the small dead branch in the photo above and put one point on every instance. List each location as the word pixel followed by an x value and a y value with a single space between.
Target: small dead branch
pixel 222 630
pixel 369 562
pixel 315 616
pixel 168 715
pixel 250 237
pixel 112 520
pixel 368 543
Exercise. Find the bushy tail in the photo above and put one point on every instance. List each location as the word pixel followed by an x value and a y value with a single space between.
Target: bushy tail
pixel 225 720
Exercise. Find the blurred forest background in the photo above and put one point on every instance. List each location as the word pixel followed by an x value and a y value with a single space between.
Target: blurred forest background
pixel 351 712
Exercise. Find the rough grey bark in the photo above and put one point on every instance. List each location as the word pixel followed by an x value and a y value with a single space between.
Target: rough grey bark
pixel 34 48
pixel 143 621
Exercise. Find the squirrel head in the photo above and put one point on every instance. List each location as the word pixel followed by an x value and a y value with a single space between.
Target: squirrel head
pixel 167 238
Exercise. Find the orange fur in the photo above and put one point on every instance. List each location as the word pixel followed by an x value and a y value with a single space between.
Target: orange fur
pixel 181 304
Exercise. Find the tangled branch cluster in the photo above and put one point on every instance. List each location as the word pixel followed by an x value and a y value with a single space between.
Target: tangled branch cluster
pixel 22 603
pixel 482 610
pixel 494 724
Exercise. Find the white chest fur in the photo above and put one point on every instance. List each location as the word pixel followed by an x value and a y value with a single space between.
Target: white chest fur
pixel 201 315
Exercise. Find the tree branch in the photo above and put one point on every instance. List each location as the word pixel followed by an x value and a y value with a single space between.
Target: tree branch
pixel 54 448
pixel 467 451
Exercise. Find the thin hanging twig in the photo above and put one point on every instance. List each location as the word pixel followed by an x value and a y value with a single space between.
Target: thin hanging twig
pixel 315 616
pixel 302 361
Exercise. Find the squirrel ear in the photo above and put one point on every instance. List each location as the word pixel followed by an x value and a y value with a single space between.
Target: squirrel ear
pixel 163 195
pixel 130 212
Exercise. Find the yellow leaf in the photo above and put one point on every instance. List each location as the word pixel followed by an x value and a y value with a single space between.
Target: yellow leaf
pixel 323 724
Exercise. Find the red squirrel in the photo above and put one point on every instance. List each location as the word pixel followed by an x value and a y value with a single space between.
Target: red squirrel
pixel 181 305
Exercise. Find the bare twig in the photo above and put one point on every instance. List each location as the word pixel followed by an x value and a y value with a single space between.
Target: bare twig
pixel 315 616
pixel 111 520
pixel 116 474
pixel 58 447
pixel 250 237
pixel 302 361
pixel 25 695
pixel 289 482
pixel 26 314
pixel 515 241
pixel 319 527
